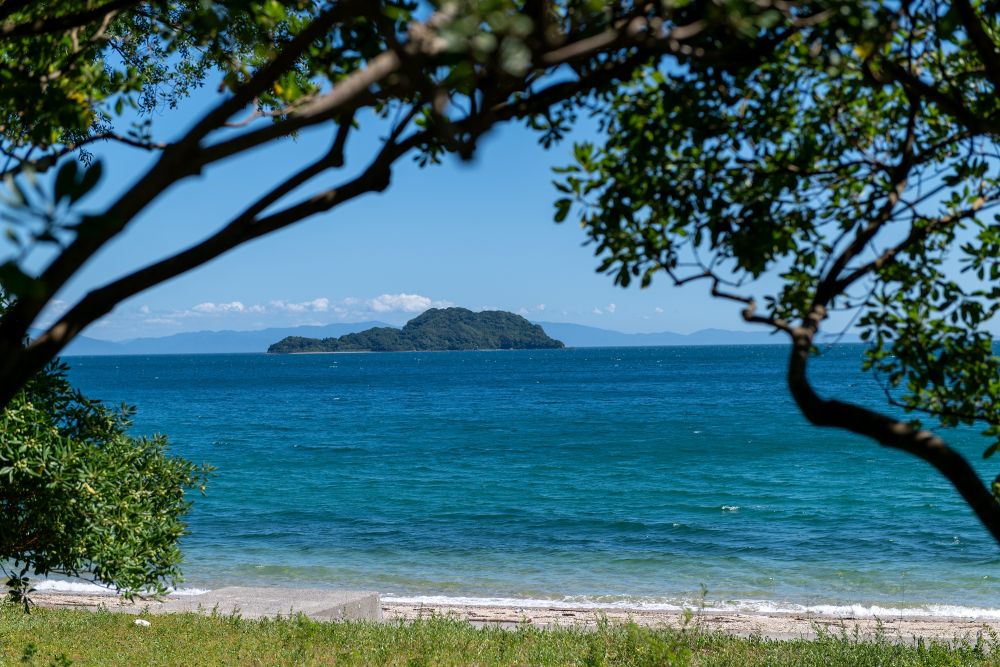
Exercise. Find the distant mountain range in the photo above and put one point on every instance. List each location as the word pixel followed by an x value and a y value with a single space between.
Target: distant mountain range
pixel 578 335
pixel 211 342
pixel 573 335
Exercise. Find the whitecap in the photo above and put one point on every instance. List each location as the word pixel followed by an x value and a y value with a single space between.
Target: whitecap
pixel 69 586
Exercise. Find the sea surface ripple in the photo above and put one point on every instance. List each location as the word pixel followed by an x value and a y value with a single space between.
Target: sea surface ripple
pixel 652 477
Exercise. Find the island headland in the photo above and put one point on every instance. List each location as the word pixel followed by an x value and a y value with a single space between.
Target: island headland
pixel 438 329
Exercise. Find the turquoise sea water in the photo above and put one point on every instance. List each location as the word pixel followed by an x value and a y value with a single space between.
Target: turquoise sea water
pixel 630 476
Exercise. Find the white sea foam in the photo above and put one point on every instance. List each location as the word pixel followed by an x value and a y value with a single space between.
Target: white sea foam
pixel 62 586
pixel 729 606
pixel 638 604
pixel 69 586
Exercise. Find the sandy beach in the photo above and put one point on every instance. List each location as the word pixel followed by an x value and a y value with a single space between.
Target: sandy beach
pixel 769 625
pixel 773 626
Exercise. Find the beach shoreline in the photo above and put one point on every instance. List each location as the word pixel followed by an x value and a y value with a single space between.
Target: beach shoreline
pixel 770 625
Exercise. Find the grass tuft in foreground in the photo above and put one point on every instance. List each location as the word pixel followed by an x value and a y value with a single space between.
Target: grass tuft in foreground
pixel 59 638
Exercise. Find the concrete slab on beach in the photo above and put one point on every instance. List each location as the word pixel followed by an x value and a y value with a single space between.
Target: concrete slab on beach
pixel 322 604
pixel 319 603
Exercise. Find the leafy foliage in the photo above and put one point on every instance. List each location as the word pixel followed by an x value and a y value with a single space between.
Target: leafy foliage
pixel 79 496
pixel 435 329
pixel 70 69
pixel 819 168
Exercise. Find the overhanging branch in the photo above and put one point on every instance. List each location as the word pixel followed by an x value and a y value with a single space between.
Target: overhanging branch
pixel 885 430
pixel 66 22
pixel 985 47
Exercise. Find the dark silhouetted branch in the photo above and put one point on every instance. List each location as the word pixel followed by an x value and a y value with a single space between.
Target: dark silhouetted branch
pixel 68 22
pixel 885 430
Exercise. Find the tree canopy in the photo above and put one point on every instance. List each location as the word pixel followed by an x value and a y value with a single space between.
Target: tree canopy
pixel 860 169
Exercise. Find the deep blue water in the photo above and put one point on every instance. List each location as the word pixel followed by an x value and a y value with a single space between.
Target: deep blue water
pixel 630 475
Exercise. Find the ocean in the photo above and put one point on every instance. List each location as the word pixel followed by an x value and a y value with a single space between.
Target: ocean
pixel 640 477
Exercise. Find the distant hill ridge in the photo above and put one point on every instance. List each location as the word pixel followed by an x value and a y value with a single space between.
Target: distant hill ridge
pixel 257 341
pixel 579 335
pixel 208 342
pixel 437 329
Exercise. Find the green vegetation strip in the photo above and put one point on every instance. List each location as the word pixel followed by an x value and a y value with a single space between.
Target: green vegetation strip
pixel 64 637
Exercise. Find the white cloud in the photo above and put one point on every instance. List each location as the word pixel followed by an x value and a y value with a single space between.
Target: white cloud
pixel 522 311
pixel 598 311
pixel 404 303
pixel 611 308
pixel 349 307
pixel 540 307
pixel 209 308
pixel 658 310
pixel 145 320
pixel 320 305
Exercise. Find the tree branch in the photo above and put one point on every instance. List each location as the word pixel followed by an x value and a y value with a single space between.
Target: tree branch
pixel 46 162
pixel 749 311
pixel 348 95
pixel 178 161
pixel 886 431
pixel 187 157
pixel 248 225
pixel 917 234
pixel 8 7
pixel 950 104
pixel 830 285
pixel 67 22
pixel 982 42
pixel 245 227
pixel 264 78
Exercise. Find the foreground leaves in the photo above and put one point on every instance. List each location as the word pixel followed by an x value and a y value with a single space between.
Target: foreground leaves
pixel 79 496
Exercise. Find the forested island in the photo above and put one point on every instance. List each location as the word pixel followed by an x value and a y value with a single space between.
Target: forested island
pixel 437 329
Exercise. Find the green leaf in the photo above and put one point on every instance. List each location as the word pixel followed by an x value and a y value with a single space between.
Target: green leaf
pixel 562 209
pixel 65 184
pixel 90 179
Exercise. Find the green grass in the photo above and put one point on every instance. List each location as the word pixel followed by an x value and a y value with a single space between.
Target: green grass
pixel 63 637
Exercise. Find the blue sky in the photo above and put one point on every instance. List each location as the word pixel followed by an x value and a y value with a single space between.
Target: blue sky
pixel 478 235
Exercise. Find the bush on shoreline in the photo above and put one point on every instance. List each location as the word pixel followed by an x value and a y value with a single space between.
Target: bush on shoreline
pixel 81 497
